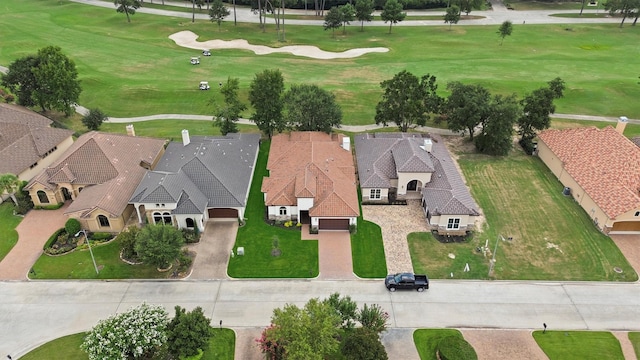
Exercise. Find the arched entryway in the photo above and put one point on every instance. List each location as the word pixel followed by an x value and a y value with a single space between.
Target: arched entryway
pixel 66 194
pixel 412 185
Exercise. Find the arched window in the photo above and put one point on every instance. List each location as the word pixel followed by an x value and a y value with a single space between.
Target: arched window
pixel 157 218
pixel 103 221
pixel 190 223
pixel 283 210
pixel 42 197
pixel 166 217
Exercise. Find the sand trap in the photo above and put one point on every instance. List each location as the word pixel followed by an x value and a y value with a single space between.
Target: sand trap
pixel 189 40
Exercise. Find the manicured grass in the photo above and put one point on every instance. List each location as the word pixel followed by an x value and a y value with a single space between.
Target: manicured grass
pixel 630 131
pixel 426 341
pixel 367 251
pixel 553 238
pixel 171 129
pixel 8 223
pixel 221 347
pixel 634 337
pixel 78 265
pixel 579 345
pixel 298 258
pixel 601 15
pixel 132 69
pixel 546 5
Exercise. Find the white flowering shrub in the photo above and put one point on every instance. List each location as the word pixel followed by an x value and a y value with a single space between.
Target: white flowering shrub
pixel 135 334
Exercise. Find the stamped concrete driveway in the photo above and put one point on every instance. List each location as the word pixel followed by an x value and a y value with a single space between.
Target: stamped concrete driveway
pixel 213 249
pixel 33 232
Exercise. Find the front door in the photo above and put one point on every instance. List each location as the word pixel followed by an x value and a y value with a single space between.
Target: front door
pixel 66 194
pixel 412 185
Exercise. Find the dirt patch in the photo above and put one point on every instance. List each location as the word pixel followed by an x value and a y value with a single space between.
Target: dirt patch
pixel 504 344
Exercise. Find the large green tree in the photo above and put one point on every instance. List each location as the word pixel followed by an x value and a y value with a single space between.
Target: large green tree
pixel 346 308
pixel 506 28
pixel 333 20
pixel 10 184
pixel 188 332
pixel 127 6
pixel 496 135
pixel 266 94
pixel 159 244
pixel 392 13
pixel 364 11
pixel 626 8
pixel 363 344
pixel 536 108
pixel 467 5
pixel 228 115
pixel 94 119
pixel 466 107
pixel 452 16
pixel 217 12
pixel 21 81
pixel 348 13
pixel 310 108
pixel 407 100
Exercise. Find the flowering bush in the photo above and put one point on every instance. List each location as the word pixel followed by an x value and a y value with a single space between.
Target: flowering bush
pixel 135 334
pixel 268 345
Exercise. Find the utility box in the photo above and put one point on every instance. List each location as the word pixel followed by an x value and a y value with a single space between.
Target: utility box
pixel 240 251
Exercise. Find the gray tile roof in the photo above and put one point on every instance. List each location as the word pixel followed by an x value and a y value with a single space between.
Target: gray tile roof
pixel 208 172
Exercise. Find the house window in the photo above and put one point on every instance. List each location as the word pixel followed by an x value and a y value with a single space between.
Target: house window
pixel 103 221
pixel 190 223
pixel 166 217
pixel 283 210
pixel 637 214
pixel 374 194
pixel 453 224
pixel 157 217
pixel 42 197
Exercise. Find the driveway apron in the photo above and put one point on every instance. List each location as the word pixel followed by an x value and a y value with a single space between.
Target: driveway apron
pixel 33 232
pixel 214 249
pixel 334 254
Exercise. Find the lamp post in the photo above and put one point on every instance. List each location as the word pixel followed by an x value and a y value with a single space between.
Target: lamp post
pixel 89 246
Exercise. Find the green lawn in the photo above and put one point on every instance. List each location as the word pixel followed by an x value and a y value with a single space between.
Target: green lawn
pixel 634 337
pixel 298 258
pixel 630 131
pixel 8 223
pixel 426 341
pixel 78 265
pixel 553 238
pixel 221 347
pixel 132 69
pixel 579 345
pixel 367 247
pixel 548 5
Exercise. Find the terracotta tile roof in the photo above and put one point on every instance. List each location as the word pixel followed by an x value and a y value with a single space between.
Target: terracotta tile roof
pixel 603 162
pixel 108 165
pixel 312 164
pixel 25 138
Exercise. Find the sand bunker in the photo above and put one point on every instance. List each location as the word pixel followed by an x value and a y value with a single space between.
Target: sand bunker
pixel 189 40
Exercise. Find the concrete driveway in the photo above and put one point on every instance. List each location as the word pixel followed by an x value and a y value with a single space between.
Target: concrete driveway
pixel 214 249
pixel 334 253
pixel 33 233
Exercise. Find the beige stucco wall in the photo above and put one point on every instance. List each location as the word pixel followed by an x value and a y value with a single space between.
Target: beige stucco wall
pixel 90 223
pixel 384 195
pixel 405 178
pixel 29 174
pixel 51 195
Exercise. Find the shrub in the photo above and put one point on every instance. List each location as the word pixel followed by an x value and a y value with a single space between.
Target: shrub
pixel 191 235
pixel 49 207
pixel 24 202
pixel 184 260
pixel 159 245
pixel 52 239
pixel 373 318
pixel 127 240
pixel 363 344
pixel 188 332
pixel 353 228
pixel 101 236
pixel 72 226
pixel 456 348
pixel 94 119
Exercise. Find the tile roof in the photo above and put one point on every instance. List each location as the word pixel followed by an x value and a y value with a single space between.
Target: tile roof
pixel 25 138
pixel 312 164
pixel 379 154
pixel 109 167
pixel 208 172
pixel 603 162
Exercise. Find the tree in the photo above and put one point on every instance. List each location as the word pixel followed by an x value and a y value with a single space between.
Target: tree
pixel 135 334
pixel 468 5
pixel 94 119
pixel 188 332
pixel 536 108
pixel 127 240
pixel 363 344
pixel 127 6
pixel 466 107
pixel 373 318
pixel 218 12
pixel 452 16
pixel 496 136
pixel 159 244
pixel 346 308
pixel 364 11
pixel 21 81
pixel 348 13
pixel 72 226
pixel 228 115
pixel 626 8
pixel 333 20
pixel 10 184
pixel 310 108
pixel 392 12
pixel 505 29
pixel 266 96
pixel 407 100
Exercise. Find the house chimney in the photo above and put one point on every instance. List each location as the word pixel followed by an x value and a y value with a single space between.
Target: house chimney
pixel 428 145
pixel 130 130
pixel 185 137
pixel 622 123
pixel 346 143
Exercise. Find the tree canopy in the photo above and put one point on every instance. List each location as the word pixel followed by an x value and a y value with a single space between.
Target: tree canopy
pixel 10 184
pixel 159 244
pixel 466 107
pixel 506 28
pixel 188 332
pixel 21 80
pixel 348 13
pixel 228 115
pixel 333 20
pixel 310 108
pixel 266 94
pixel 467 5
pixel 496 135
pixel 94 119
pixel 452 16
pixel 392 13
pixel 127 6
pixel 217 12
pixel 536 108
pixel 364 11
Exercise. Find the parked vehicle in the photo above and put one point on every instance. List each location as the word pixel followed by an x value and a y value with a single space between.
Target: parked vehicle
pixel 406 281
pixel 195 61
pixel 204 85
pixel 206 52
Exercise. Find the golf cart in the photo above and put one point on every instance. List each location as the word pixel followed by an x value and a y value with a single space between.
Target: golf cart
pixel 195 61
pixel 204 85
pixel 206 52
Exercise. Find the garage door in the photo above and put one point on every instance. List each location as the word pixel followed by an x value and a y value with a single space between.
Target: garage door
pixel 223 213
pixel 333 224
pixel 626 226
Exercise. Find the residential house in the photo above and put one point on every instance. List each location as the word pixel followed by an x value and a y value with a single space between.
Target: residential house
pixel 312 181
pixel 200 178
pixel 399 166
pixel 28 143
pixel 600 168
pixel 98 173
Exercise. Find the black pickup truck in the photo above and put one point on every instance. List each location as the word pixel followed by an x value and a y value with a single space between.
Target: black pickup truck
pixel 406 281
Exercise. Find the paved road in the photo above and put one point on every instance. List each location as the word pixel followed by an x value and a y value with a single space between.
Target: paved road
pixel 35 312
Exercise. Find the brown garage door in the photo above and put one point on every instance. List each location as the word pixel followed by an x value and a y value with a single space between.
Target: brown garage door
pixel 223 213
pixel 334 224
pixel 626 226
